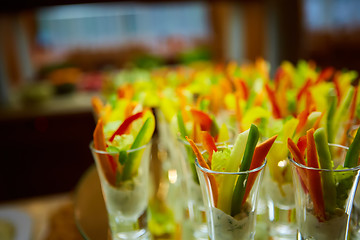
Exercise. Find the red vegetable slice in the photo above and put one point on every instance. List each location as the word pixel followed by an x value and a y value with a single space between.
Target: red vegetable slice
pixel 125 125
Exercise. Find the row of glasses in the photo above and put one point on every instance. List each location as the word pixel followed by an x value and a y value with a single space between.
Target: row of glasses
pixel 127 206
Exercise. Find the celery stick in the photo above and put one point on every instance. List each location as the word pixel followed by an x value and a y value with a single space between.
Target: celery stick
pixel 181 125
pixel 328 180
pixel 226 190
pixel 330 117
pixel 342 111
pixel 352 155
pixel 240 186
pixel 142 138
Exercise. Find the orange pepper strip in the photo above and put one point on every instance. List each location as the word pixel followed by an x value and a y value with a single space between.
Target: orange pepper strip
pixel 260 153
pixel 298 157
pixel 203 164
pixel 274 104
pixel 97 105
pixel 208 143
pixel 105 161
pixel 315 188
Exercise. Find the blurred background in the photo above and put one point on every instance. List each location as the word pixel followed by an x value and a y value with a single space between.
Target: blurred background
pixel 55 55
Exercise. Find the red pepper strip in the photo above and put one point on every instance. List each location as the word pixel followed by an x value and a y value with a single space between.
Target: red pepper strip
pixel 303 116
pixel 272 98
pixel 238 110
pixel 107 164
pixel 325 74
pixel 304 89
pixel 97 105
pixel 260 153
pixel 314 177
pixel 202 118
pixel 299 158
pixel 301 144
pixel 203 164
pixel 208 144
pixel 351 117
pixel 125 125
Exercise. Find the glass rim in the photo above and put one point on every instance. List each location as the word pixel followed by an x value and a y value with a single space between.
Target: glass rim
pixel 325 169
pixel 205 170
pixel 92 148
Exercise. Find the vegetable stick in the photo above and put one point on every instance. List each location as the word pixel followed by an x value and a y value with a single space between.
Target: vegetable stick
pixel 201 118
pixel 142 138
pixel 181 125
pixel 274 104
pixel 301 144
pixel 125 125
pixel 99 144
pixel 304 89
pixel 240 185
pixel 328 180
pixel 352 155
pixel 351 117
pixel 258 158
pixel 208 144
pixel 315 188
pixel 203 164
pixel 97 105
pixel 225 193
pixel 298 157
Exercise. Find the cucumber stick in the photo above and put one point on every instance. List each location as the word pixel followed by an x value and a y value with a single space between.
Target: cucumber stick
pixel 240 186
pixel 328 180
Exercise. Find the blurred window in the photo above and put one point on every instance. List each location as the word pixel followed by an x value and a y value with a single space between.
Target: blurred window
pixel 332 14
pixel 93 25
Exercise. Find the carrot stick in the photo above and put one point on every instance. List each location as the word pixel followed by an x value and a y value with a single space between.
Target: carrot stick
pixel 298 157
pixel 208 143
pixel 97 105
pixel 303 89
pixel 105 161
pixel 303 116
pixel 258 158
pixel 202 118
pixel 315 188
pixel 203 164
pixel 274 104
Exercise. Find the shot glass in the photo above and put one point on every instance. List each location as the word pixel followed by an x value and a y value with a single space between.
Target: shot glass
pixel 221 224
pixel 279 193
pixel 126 201
pixel 312 222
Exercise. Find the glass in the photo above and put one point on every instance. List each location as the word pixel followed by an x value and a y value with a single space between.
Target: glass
pixel 324 225
pixel 127 203
pixel 355 215
pixel 221 225
pixel 279 193
pixel 194 224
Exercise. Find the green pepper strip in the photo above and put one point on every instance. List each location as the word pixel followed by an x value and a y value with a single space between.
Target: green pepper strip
pixel 240 187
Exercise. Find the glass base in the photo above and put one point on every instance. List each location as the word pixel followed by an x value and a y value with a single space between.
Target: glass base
pixel 141 234
pixel 282 231
pixel 282 223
